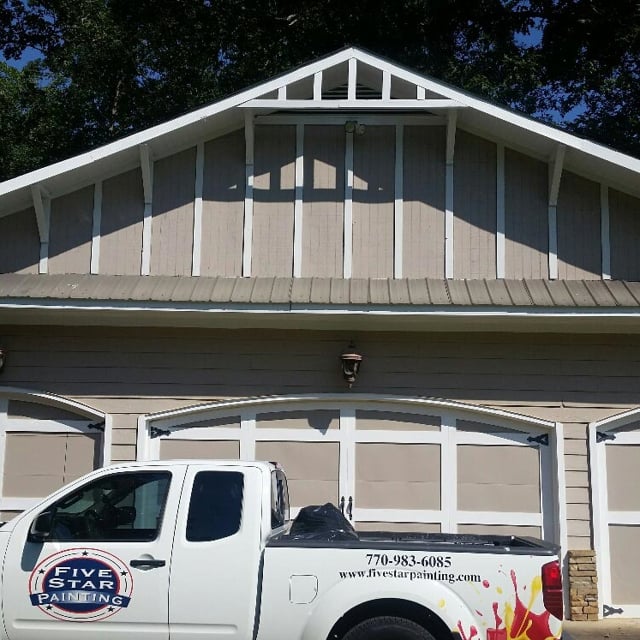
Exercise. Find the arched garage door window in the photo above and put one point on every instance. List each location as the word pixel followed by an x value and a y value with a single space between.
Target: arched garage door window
pixel 393 463
pixel 45 442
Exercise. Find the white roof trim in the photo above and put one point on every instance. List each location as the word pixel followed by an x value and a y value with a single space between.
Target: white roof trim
pixel 148 135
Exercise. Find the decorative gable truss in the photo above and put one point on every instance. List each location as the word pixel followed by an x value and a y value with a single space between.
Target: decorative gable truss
pixel 170 169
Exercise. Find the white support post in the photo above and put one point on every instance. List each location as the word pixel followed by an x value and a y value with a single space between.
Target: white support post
pixel 146 166
pixel 298 206
pixel 353 79
pixel 95 232
pixel 500 214
pixel 317 86
pixel 197 211
pixel 348 207
pixel 386 85
pixel 448 221
pixel 421 93
pixel 282 93
pixel 42 206
pixel 605 232
pixel 448 469
pixel 247 234
pixel 398 213
pixel 555 176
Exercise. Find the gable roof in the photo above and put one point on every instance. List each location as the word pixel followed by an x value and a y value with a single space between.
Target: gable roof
pixel 301 89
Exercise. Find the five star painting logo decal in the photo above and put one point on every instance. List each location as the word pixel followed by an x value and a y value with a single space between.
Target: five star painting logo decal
pixel 81 585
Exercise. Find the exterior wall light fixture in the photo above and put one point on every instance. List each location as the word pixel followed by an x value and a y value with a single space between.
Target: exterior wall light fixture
pixel 3 357
pixel 353 126
pixel 351 361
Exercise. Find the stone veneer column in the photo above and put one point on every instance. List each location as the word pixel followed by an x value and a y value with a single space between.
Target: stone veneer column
pixel 583 585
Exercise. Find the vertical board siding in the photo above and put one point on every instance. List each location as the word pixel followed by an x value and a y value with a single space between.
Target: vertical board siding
pixel 474 206
pixel 373 197
pixel 121 224
pixel 172 229
pixel 223 206
pixel 20 243
pixel 624 231
pixel 578 215
pixel 273 200
pixel 424 202
pixel 71 232
pixel 323 201
pixel 526 217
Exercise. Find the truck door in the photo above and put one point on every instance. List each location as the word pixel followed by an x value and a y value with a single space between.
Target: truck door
pixel 98 555
pixel 216 557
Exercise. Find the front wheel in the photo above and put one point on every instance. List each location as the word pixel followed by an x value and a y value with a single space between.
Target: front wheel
pixel 388 628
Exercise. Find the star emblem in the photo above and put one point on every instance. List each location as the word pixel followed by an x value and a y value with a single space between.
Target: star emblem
pixel 123 573
pixel 49 607
pixel 85 553
pixel 111 608
pixel 41 571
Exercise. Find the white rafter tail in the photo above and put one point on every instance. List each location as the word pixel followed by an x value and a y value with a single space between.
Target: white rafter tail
pixel 353 79
pixel 398 218
pixel 298 206
pixel 555 177
pixel 452 121
pixel 197 211
pixel 247 232
pixel 42 207
pixel 605 232
pixel 317 86
pixel 96 226
pixel 146 167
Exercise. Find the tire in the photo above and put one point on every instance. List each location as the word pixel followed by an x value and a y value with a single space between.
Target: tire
pixel 388 628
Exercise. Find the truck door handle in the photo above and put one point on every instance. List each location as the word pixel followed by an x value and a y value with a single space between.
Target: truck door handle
pixel 342 505
pixel 350 508
pixel 149 563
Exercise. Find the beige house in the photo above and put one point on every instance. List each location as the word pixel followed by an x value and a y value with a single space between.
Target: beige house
pixel 187 292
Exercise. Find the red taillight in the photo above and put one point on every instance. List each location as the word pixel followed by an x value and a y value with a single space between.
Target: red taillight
pixel 552 588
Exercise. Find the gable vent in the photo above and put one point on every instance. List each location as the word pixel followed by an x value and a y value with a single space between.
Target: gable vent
pixel 342 93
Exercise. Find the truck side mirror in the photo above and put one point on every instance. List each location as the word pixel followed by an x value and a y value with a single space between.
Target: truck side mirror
pixel 41 527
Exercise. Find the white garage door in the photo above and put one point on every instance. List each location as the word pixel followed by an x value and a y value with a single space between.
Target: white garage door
pixel 388 466
pixel 615 473
pixel 43 448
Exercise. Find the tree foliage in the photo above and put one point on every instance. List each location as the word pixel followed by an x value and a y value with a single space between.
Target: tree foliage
pixel 107 68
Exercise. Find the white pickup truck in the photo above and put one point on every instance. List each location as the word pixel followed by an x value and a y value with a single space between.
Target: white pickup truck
pixel 195 550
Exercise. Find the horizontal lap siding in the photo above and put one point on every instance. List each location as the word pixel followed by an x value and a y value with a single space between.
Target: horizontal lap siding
pixel 223 206
pixel 71 230
pixel 526 217
pixel 474 206
pixel 127 373
pixel 624 225
pixel 323 201
pixel 121 224
pixel 424 202
pixel 173 203
pixel 273 201
pixel 373 196
pixel 20 243
pixel 578 219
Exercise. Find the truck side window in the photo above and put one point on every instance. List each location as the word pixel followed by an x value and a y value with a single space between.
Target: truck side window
pixel 119 507
pixel 279 499
pixel 215 509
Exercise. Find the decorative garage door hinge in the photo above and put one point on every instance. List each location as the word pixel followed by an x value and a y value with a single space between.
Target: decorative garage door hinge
pixel 156 432
pixel 98 426
pixel 541 439
pixel 609 611
pixel 601 437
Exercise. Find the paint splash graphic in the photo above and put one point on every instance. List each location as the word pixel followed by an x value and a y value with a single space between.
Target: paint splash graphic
pixel 518 621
